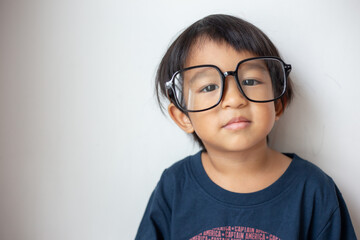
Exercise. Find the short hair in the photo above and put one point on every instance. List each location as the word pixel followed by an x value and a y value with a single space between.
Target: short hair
pixel 238 33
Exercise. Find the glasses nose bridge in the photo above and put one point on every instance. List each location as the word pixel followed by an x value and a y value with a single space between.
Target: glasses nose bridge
pixel 234 74
pixel 237 86
pixel 229 73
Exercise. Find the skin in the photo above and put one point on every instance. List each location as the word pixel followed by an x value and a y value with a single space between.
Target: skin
pixel 238 158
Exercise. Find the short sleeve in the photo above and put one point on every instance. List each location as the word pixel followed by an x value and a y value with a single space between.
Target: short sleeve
pixel 339 225
pixel 155 223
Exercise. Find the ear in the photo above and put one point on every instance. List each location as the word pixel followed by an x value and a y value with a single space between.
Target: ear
pixel 279 109
pixel 180 118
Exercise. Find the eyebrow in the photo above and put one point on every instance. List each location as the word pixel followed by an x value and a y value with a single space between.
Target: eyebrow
pixel 249 66
pixel 198 73
pixel 244 65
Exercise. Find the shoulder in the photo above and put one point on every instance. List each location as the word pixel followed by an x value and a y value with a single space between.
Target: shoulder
pixel 316 187
pixel 176 177
pixel 158 214
pixel 312 185
pixel 311 174
pixel 323 201
pixel 179 169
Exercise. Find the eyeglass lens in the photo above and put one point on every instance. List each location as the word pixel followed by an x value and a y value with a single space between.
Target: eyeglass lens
pixel 201 87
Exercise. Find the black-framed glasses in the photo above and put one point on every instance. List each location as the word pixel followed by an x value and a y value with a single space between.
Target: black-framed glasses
pixel 200 88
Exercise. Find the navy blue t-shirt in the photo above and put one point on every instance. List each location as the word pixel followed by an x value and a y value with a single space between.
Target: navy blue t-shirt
pixel 304 203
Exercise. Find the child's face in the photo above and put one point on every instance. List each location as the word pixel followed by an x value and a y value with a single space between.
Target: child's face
pixel 236 124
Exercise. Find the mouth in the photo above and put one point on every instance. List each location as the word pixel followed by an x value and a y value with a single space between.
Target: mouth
pixel 237 123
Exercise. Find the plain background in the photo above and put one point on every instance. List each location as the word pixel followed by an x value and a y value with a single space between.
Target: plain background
pixel 82 141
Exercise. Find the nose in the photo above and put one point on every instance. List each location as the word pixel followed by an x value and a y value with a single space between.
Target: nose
pixel 232 96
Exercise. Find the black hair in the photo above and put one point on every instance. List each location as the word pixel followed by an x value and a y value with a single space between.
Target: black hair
pixel 238 33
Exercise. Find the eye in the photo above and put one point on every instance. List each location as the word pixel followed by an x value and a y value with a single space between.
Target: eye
pixel 209 88
pixel 250 82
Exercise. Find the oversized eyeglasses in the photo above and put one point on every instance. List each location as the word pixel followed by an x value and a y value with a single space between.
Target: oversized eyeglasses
pixel 200 88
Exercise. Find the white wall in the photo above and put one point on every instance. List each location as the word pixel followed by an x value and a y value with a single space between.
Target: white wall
pixel 82 142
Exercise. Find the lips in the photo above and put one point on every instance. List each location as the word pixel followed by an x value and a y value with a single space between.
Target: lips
pixel 237 123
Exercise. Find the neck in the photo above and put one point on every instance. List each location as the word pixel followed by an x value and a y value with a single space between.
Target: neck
pixel 245 171
pixel 239 163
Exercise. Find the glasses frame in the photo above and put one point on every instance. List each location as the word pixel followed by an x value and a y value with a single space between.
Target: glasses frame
pixel 170 85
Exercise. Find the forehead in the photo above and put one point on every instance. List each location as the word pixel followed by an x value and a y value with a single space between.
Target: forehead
pixel 221 54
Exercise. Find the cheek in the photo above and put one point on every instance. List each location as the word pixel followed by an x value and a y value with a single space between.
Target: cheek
pixel 203 122
pixel 266 115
